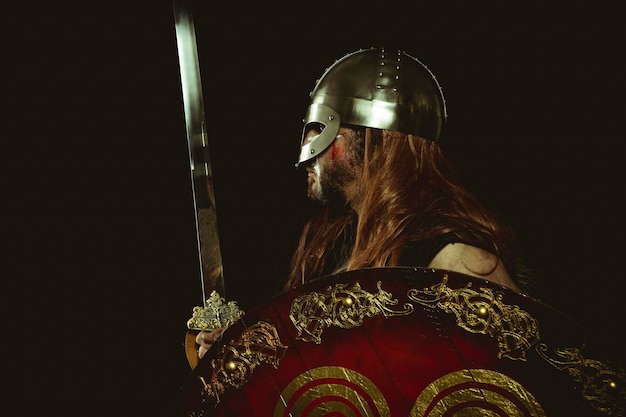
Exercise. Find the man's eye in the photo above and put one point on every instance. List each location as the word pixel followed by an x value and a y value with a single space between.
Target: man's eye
pixel 317 127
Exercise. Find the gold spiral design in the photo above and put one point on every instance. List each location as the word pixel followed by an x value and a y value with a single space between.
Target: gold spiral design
pixel 331 390
pixel 476 392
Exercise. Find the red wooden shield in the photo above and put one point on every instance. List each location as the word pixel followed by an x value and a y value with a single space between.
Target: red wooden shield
pixel 404 342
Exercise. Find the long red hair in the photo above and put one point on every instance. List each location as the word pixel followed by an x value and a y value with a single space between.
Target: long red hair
pixel 410 193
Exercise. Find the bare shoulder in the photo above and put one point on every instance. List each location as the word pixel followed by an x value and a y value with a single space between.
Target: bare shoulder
pixel 470 260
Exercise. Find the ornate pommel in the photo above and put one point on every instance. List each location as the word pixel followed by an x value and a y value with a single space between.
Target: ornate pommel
pixel 215 314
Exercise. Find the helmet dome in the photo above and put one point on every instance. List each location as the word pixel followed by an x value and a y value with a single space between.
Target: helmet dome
pixel 374 88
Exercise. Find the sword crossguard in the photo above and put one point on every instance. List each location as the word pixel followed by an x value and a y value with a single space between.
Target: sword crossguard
pixel 216 314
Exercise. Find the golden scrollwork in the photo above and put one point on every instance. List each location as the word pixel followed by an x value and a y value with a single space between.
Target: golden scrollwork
pixel 237 360
pixel 341 306
pixel 483 312
pixel 604 388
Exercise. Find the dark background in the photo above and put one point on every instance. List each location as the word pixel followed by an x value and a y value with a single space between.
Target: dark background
pixel 102 267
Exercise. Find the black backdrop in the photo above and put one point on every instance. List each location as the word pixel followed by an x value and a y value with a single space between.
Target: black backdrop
pixel 103 223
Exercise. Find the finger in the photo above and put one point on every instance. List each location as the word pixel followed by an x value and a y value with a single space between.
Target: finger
pixel 202 351
pixel 200 338
pixel 208 338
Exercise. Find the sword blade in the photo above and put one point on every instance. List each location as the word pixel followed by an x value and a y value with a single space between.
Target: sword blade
pixel 210 258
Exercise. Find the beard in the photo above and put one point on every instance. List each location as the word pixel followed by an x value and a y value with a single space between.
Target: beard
pixel 327 185
pixel 331 178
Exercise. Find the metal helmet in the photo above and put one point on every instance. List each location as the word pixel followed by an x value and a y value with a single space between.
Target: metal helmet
pixel 374 88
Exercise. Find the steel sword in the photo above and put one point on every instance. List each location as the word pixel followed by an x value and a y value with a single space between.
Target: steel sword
pixel 214 313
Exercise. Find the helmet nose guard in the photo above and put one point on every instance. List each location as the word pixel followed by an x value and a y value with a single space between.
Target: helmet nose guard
pixel 325 118
pixel 378 89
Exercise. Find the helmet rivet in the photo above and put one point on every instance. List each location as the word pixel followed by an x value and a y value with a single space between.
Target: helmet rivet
pixel 312 151
pixel 331 117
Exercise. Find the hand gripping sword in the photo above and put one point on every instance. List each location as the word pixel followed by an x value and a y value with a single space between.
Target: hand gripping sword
pixel 214 313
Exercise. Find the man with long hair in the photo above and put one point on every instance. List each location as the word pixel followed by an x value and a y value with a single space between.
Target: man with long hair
pixel 386 194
